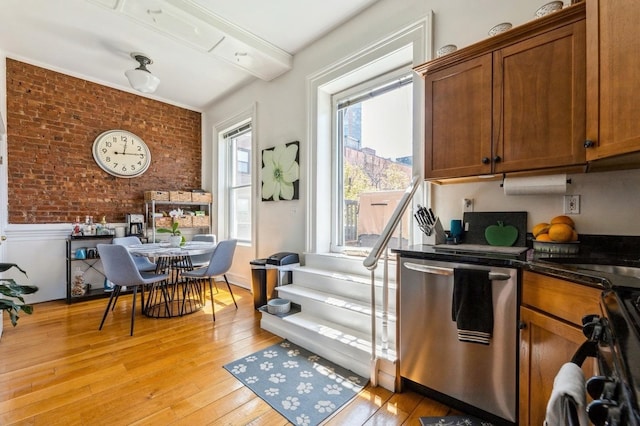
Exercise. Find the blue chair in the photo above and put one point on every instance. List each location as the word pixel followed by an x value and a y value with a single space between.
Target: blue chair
pixel 142 262
pixel 121 270
pixel 220 262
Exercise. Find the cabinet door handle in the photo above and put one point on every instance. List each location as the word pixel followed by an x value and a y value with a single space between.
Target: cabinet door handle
pixel 589 143
pixel 485 160
pixel 497 159
pixel 522 325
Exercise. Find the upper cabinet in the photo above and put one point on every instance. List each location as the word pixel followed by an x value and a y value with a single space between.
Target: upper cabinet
pixel 613 77
pixel 539 101
pixel 458 119
pixel 514 102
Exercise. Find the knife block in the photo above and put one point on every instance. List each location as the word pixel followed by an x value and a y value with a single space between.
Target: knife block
pixel 437 235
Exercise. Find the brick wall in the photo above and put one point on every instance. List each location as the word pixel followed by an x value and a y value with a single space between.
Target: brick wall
pixel 52 121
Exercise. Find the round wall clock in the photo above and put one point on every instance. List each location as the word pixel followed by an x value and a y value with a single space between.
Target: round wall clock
pixel 121 153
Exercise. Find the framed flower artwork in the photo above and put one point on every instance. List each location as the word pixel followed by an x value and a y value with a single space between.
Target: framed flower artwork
pixel 281 172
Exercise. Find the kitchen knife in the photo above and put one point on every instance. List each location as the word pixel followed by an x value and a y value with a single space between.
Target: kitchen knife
pixel 426 217
pixel 432 215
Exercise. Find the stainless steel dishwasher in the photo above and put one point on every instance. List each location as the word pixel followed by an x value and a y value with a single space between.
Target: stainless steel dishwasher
pixel 482 376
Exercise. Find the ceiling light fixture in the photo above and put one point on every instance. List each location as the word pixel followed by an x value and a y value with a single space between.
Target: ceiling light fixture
pixel 141 78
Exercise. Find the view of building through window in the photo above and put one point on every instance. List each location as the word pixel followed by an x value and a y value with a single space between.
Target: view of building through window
pixel 239 179
pixel 376 138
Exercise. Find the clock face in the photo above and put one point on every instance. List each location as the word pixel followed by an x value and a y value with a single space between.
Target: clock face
pixel 121 153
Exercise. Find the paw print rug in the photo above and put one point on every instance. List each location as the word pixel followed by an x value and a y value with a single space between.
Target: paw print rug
pixel 303 387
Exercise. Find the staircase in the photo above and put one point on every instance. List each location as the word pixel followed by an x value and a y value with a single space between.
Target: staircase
pixel 334 320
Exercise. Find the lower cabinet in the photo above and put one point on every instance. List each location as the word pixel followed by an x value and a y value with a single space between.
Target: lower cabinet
pixel 551 332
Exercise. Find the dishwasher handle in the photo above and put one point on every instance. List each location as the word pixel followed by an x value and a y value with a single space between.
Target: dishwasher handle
pixel 438 270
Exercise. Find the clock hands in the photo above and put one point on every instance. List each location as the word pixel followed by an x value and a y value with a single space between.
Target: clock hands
pixel 128 153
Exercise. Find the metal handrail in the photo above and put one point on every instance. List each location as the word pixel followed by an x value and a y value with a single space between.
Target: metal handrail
pixel 371 263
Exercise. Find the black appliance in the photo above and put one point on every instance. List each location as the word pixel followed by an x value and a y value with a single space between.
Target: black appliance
pixel 135 224
pixel 269 273
pixel 614 339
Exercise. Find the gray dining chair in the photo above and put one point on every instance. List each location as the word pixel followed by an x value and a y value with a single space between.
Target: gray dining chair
pixel 200 260
pixel 143 263
pixel 121 270
pixel 220 262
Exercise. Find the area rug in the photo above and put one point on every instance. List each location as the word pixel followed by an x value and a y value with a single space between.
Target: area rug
pixel 453 421
pixel 303 387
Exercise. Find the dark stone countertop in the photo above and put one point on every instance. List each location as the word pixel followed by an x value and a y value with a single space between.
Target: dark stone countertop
pixel 594 249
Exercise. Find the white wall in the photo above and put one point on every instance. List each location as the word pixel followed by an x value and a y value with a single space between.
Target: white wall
pixel 282 105
pixel 609 203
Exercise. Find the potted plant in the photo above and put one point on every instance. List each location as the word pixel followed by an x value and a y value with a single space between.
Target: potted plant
pixel 176 238
pixel 10 290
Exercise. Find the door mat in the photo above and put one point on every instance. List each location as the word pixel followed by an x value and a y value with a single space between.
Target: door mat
pixel 453 421
pixel 300 385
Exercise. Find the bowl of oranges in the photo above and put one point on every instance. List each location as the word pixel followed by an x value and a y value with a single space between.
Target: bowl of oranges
pixel 557 236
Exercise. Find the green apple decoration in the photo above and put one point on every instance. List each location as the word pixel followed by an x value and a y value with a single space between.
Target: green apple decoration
pixel 501 235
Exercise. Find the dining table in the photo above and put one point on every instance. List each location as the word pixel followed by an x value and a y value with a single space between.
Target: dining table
pixel 176 297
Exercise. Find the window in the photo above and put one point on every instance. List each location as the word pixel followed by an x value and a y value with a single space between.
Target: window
pixel 374 138
pixel 238 145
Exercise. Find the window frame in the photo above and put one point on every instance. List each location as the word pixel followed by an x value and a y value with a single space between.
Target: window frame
pixel 227 167
pixel 371 85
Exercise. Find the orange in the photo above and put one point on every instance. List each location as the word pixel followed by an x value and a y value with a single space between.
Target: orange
pixel 540 228
pixel 563 219
pixel 560 232
pixel 543 237
pixel 574 236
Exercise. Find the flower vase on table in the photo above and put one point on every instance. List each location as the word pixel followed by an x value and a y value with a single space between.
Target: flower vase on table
pixel 175 240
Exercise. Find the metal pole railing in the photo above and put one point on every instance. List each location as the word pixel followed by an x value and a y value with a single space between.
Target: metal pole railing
pixel 371 263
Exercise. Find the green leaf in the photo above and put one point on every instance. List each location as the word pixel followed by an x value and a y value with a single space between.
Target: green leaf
pixel 173 231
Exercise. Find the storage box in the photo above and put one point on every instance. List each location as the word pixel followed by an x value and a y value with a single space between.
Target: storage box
pixel 201 221
pixel 179 196
pixel 163 222
pixel 185 222
pixel 156 195
pixel 201 197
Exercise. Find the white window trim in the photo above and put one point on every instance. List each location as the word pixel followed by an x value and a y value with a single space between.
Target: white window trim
pixel 336 159
pixel 319 91
pixel 248 115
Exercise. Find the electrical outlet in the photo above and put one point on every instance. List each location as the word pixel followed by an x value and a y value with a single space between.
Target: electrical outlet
pixel 572 204
pixel 467 204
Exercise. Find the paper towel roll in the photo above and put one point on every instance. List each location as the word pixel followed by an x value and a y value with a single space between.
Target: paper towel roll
pixel 534 185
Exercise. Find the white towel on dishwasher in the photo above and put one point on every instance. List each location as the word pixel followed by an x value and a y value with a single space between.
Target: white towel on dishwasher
pixel 570 382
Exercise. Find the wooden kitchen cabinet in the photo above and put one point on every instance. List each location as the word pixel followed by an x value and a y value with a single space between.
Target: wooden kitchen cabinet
pixel 458 119
pixel 539 101
pixel 551 332
pixel 613 78
pixel 515 102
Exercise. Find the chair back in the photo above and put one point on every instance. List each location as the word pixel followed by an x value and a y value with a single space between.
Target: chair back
pixel 126 241
pixel 210 238
pixel 202 259
pixel 118 265
pixel 221 258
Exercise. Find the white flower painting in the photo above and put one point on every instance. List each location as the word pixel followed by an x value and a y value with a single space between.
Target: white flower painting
pixel 281 172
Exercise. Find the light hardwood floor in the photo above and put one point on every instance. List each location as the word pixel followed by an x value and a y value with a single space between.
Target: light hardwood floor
pixel 57 368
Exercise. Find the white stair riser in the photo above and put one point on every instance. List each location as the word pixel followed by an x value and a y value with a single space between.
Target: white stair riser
pixel 345 264
pixel 355 320
pixel 340 285
pixel 348 357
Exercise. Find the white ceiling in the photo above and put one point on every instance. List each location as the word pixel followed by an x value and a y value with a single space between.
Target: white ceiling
pixel 93 40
